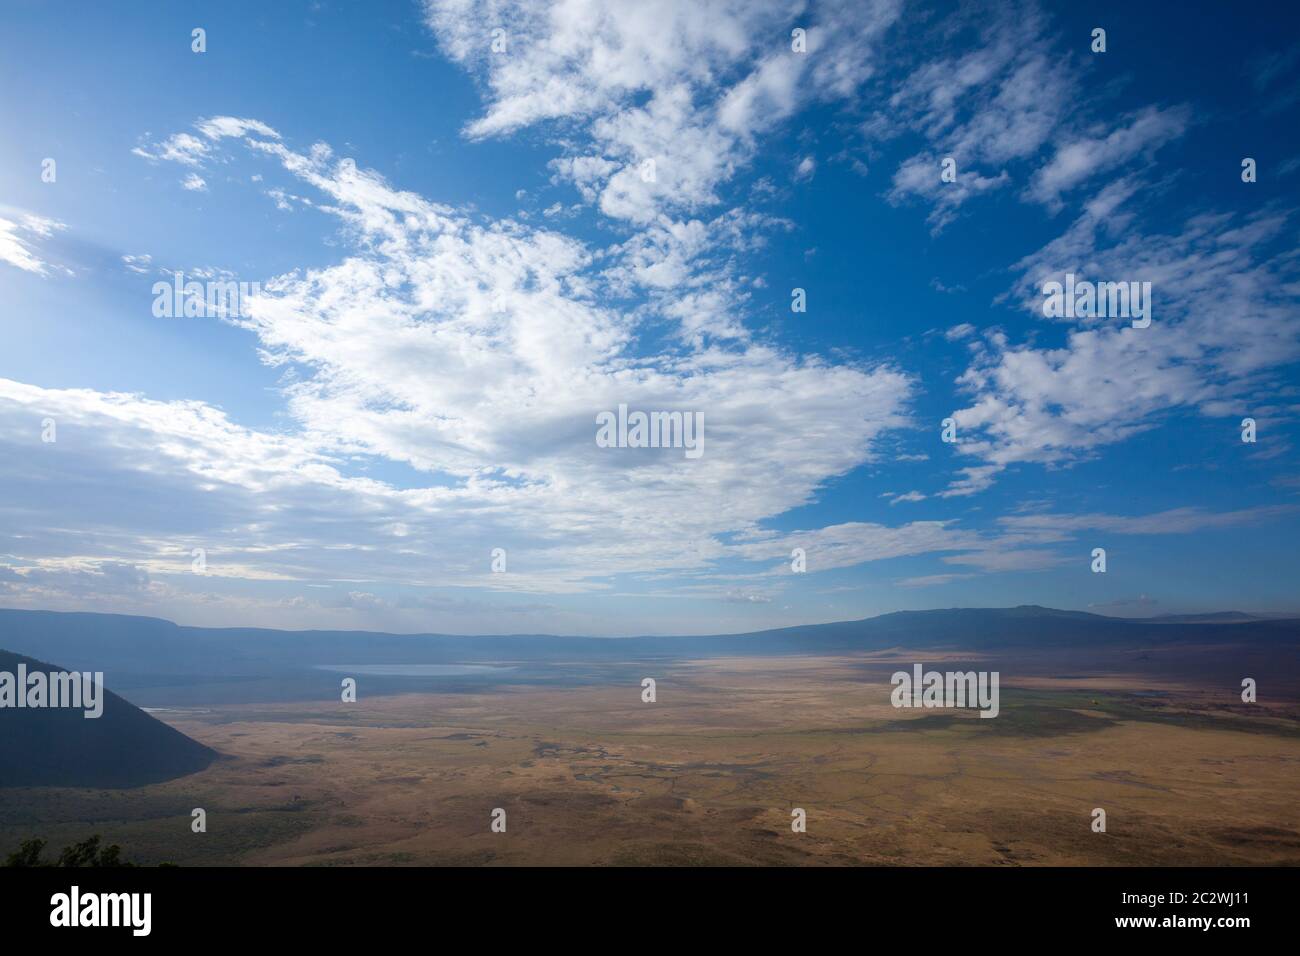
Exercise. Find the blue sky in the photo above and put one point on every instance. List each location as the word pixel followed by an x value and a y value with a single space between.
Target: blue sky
pixel 462 260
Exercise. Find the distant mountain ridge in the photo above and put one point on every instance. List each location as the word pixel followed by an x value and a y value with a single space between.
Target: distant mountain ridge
pixel 104 641
pixel 158 663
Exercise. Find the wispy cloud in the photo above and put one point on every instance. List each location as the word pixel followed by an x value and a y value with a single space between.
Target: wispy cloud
pixel 18 241
pixel 1224 316
pixel 500 442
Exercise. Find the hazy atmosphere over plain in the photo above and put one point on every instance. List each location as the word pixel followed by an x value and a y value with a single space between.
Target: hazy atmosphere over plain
pixel 463 259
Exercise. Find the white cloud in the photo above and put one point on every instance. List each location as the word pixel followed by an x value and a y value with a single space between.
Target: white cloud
pixel 656 108
pixel 477 355
pixel 984 108
pixel 920 176
pixel 930 580
pixel 1018 543
pixel 184 148
pixel 907 496
pixel 857 542
pixel 195 151
pixel 684 84
pixel 996 109
pixel 1173 521
pixel 16 241
pixel 1028 559
pixel 1096 151
pixel 1224 317
pixel 189 150
pixel 220 127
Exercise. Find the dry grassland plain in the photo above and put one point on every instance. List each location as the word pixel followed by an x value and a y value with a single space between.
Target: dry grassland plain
pixel 710 772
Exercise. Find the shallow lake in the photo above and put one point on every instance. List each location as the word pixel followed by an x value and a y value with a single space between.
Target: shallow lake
pixel 414 670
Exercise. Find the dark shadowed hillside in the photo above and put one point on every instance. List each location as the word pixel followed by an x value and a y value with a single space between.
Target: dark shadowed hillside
pixel 124 747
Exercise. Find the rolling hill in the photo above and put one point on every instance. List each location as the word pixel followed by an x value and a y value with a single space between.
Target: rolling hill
pixel 123 747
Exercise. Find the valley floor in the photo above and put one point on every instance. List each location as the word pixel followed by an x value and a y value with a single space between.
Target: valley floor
pixel 710 772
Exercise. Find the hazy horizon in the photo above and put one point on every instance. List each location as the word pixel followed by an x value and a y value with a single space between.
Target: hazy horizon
pixel 434 632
